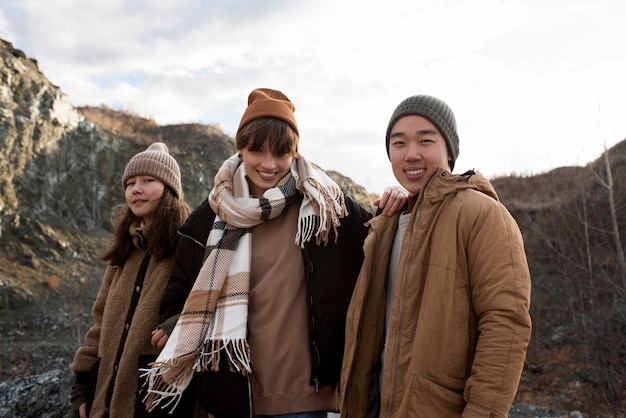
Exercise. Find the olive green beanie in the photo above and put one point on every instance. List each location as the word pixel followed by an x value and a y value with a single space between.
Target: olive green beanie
pixel 437 112
pixel 155 161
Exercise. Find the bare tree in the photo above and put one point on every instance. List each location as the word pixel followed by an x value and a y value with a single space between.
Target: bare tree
pixel 609 186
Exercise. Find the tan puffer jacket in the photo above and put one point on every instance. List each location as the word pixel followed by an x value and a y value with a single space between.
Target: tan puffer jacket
pixel 460 323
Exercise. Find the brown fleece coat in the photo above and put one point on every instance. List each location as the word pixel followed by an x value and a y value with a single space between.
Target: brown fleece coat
pixel 460 323
pixel 102 339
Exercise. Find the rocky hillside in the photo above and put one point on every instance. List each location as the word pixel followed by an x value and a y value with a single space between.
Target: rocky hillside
pixel 574 225
pixel 60 177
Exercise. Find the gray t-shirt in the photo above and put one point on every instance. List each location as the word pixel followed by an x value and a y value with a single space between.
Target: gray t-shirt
pixel 392 270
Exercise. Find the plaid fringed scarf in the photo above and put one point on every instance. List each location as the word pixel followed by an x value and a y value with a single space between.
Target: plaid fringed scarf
pixel 214 319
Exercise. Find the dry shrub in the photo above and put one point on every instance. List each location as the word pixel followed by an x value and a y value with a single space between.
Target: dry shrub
pixel 53 282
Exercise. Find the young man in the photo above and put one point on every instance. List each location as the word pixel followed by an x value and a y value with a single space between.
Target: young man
pixel 439 320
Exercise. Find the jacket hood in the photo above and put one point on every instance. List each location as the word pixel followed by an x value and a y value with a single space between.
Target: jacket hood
pixel 443 183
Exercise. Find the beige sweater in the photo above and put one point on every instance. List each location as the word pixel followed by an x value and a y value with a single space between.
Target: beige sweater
pixel 278 323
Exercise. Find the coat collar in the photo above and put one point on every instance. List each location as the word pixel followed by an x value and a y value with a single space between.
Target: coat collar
pixel 441 184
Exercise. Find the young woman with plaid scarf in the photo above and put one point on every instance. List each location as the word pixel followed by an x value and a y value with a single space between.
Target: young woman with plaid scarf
pixel 264 321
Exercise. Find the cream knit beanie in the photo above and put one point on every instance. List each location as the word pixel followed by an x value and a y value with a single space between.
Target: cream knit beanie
pixel 155 161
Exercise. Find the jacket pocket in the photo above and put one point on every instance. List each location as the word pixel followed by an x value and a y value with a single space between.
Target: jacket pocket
pixel 429 399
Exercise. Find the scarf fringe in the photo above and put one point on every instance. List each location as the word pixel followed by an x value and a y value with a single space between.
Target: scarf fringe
pixel 237 351
pixel 306 229
pixel 167 380
pixel 331 208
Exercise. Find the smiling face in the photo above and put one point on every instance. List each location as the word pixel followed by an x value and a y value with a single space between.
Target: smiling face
pixel 143 195
pixel 416 147
pixel 264 168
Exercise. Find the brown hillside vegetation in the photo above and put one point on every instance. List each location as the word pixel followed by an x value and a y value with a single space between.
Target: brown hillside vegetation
pixel 124 124
pixel 143 131
pixel 574 225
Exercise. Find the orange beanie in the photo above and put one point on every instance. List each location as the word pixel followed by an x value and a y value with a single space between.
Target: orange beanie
pixel 268 103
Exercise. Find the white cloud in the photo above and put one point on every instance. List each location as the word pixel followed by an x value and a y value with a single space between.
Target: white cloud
pixel 534 85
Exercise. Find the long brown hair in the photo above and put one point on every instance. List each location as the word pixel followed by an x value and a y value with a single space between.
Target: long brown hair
pixel 161 235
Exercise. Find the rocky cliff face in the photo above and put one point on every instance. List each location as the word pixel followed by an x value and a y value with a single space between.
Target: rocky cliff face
pixel 61 168
pixel 36 117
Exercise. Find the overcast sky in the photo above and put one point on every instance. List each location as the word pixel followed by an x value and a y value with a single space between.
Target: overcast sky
pixel 534 84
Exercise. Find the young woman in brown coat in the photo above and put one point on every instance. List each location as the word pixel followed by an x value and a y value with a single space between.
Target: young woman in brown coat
pixel 126 310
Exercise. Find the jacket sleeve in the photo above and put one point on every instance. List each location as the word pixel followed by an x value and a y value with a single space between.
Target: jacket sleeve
pixel 357 217
pixel 189 256
pixel 500 292
pixel 87 355
pixel 352 234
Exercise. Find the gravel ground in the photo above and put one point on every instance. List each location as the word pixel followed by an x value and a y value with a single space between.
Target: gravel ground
pixel 527 411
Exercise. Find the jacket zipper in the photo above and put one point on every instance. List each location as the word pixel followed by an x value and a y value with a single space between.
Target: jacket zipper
pixel 317 359
pixel 395 351
pixel 317 352
pixel 249 396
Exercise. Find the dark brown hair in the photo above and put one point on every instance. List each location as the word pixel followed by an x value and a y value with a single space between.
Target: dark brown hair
pixel 161 235
pixel 282 138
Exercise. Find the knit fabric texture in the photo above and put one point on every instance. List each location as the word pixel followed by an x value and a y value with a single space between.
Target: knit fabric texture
pixel 268 103
pixel 157 162
pixel 437 112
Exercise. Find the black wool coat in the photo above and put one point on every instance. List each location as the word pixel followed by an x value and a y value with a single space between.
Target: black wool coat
pixel 331 271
